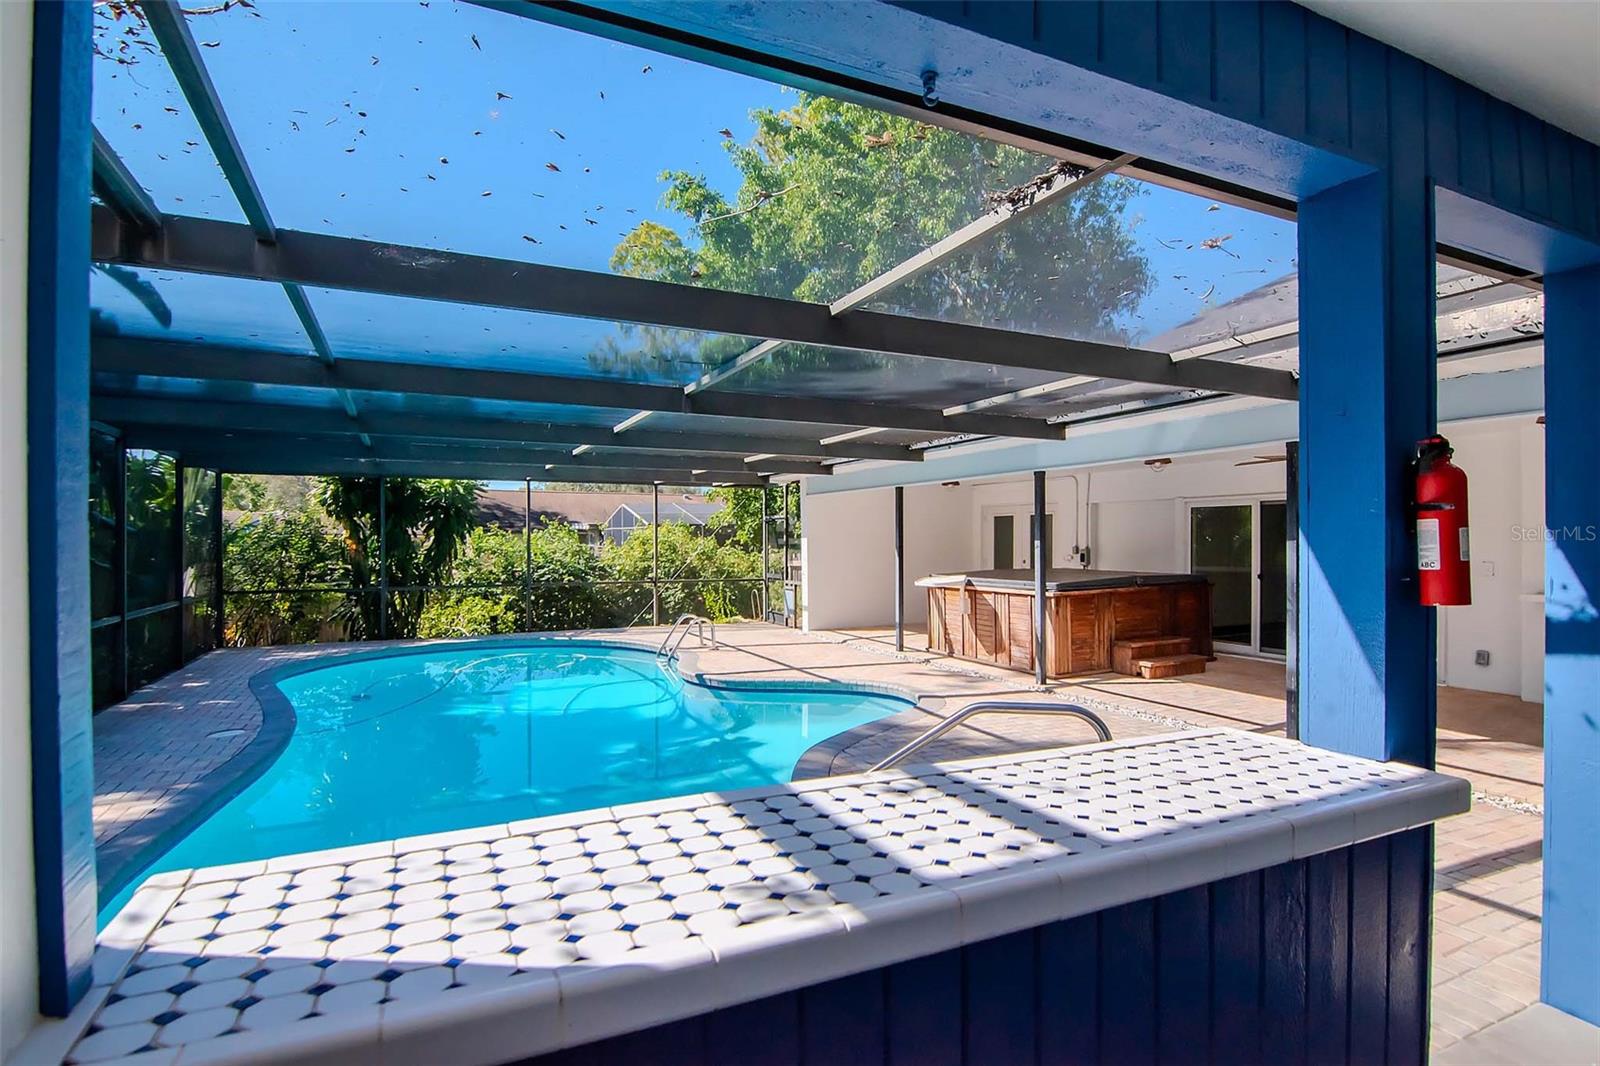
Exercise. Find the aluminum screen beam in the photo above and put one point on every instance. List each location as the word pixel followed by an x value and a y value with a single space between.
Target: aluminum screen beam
pixel 243 461
pixel 225 248
pixel 289 442
pixel 169 359
pixel 120 190
pixel 167 24
pixel 171 32
pixel 196 414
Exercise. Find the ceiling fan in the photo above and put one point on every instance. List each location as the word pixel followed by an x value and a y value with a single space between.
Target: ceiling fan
pixel 1257 460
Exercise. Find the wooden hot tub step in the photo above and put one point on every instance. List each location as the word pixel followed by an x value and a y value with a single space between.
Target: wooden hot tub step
pixel 1171 665
pixel 1125 654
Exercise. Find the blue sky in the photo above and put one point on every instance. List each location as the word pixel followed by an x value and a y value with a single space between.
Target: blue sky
pixel 393 121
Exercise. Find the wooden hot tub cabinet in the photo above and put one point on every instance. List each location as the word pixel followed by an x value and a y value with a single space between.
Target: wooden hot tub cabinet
pixel 987 616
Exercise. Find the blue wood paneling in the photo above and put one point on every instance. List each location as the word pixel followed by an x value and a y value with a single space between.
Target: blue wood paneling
pixel 1328 957
pixel 1505 154
pixel 1183 973
pixel 1236 968
pixel 58 485
pixel 1237 33
pixel 1265 967
pixel 1410 894
pixel 1535 165
pixel 843 1021
pixel 1000 984
pixel 1186 70
pixel 1368 98
pixel 1072 30
pixel 1128 983
pixel 1327 76
pixel 1474 161
pixel 1444 127
pixel 1130 39
pixel 1572 644
pixel 1369 952
pixel 1559 176
pixel 1069 993
pixel 1284 988
pixel 1284 70
pixel 919 1027
pixel 1585 183
pixel 1298 75
pixel 777 1018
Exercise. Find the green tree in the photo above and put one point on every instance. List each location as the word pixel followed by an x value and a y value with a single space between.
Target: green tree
pixel 833 194
pixel 739 521
pixel 485 595
pixel 244 492
pixel 426 520
pixel 564 590
pixel 265 559
pixel 699 574
pixel 566 582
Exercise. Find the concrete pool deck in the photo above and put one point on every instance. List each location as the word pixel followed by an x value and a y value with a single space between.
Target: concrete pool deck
pixel 161 749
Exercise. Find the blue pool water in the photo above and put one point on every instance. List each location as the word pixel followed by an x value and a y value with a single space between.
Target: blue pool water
pixel 398 745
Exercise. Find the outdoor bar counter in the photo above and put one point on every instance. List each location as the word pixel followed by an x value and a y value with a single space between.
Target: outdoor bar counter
pixel 987 616
pixel 1203 895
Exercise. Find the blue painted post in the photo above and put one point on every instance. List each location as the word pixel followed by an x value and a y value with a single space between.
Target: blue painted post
pixel 1571 972
pixel 1366 670
pixel 59 676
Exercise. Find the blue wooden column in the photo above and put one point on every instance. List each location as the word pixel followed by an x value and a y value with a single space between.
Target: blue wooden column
pixel 58 508
pixel 1367 365
pixel 1571 969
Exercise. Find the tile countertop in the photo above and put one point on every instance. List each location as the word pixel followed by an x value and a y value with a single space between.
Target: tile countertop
pixel 503 942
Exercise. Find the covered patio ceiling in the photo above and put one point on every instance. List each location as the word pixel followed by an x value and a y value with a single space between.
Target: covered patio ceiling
pixel 467 309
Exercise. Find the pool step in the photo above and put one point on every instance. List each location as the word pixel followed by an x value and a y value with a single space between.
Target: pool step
pixel 1171 665
pixel 1125 654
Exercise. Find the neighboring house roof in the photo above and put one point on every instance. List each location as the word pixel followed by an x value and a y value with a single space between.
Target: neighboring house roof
pixel 1273 303
pixel 690 510
pixel 503 507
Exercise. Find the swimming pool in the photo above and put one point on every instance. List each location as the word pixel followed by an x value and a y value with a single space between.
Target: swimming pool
pixel 397 745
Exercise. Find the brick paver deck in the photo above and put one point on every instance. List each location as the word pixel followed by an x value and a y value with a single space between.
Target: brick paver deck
pixel 164 746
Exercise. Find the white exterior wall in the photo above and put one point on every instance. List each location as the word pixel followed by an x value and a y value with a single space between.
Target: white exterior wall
pixel 847 545
pixel 1504 461
pixel 1135 517
pixel 19 984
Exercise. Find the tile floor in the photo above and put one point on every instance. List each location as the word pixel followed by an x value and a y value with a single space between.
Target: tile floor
pixel 1487 902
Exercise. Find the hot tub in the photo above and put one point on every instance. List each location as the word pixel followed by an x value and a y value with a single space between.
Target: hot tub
pixel 987 616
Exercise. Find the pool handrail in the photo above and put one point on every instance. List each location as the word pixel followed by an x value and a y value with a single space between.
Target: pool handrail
pixel 972 710
pixel 698 622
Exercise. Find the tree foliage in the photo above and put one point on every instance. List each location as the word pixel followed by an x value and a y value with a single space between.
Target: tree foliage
pixel 740 518
pixel 699 573
pixel 425 522
pixel 266 555
pixel 833 194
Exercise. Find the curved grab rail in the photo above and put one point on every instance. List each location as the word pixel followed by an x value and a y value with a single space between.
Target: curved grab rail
pixel 990 707
pixel 671 631
pixel 669 646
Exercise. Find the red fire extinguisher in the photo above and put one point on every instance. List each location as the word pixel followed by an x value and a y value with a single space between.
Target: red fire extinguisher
pixel 1443 560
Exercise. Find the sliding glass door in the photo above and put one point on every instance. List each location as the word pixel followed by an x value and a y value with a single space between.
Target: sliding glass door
pixel 1242 547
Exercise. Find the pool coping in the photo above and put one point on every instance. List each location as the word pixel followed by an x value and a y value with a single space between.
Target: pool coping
pixel 563 1007
pixel 119 861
